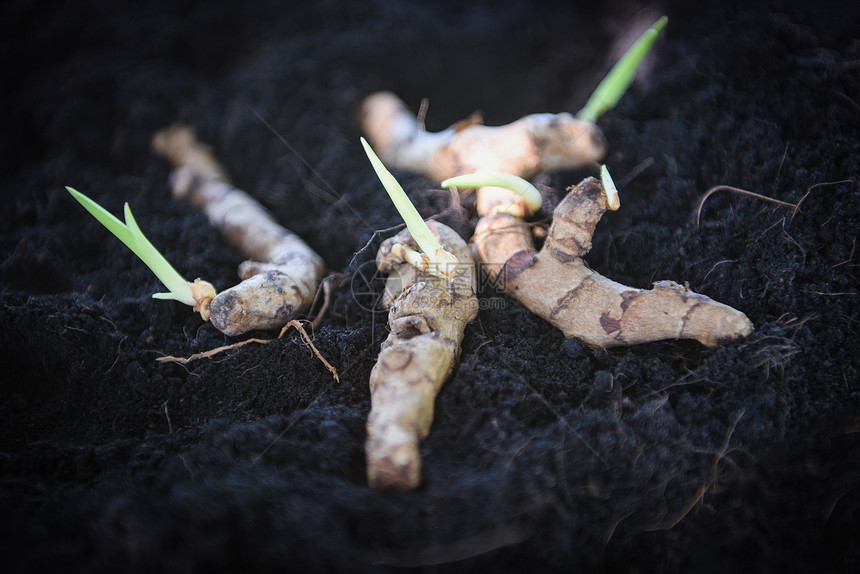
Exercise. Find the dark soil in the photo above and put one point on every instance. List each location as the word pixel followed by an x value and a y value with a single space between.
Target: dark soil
pixel 545 455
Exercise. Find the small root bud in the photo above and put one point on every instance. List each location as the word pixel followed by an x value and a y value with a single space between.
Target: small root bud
pixel 203 293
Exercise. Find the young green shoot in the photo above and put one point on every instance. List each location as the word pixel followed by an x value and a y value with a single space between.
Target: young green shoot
pixel 196 294
pixel 616 82
pixel 612 200
pixel 481 178
pixel 434 259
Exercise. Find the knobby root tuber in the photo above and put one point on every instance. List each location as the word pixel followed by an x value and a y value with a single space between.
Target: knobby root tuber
pixel 282 274
pixel 534 144
pixel 427 318
pixel 557 285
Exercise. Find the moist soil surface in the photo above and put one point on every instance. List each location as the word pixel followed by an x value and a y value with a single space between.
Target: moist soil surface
pixel 545 455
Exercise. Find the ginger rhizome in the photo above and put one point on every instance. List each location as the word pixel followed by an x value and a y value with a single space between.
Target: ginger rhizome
pixel 556 284
pixel 534 144
pixel 427 318
pixel 282 274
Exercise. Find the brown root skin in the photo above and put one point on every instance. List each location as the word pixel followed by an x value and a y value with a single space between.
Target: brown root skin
pixel 427 318
pixel 557 285
pixel 534 144
pixel 283 273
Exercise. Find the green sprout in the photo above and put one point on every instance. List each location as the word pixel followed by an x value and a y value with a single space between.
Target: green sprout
pixel 616 82
pixel 529 193
pixel 609 188
pixel 129 233
pixel 435 259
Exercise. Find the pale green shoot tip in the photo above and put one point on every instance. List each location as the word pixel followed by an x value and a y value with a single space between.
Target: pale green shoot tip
pixel 612 200
pixel 615 84
pixel 481 178
pixel 441 263
pixel 131 235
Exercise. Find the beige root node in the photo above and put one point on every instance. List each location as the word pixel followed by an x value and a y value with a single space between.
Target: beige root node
pixel 427 318
pixel 557 285
pixel 203 293
pixel 282 275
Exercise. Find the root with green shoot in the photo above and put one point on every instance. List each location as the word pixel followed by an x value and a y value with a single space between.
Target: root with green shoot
pixel 427 318
pixel 430 296
pixel 556 284
pixel 532 145
pixel 282 274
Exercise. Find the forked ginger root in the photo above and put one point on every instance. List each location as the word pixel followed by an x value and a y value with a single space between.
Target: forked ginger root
pixel 557 285
pixel 427 318
pixel 534 144
pixel 282 274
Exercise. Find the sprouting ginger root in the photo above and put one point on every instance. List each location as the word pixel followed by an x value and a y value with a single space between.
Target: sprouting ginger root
pixel 427 318
pixel 282 274
pixel 557 285
pixel 534 144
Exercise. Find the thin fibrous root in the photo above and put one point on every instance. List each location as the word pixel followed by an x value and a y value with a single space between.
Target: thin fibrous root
pixel 427 318
pixel 307 340
pixel 557 285
pixel 210 353
pixel 282 274
pixel 327 286
pixel 717 188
